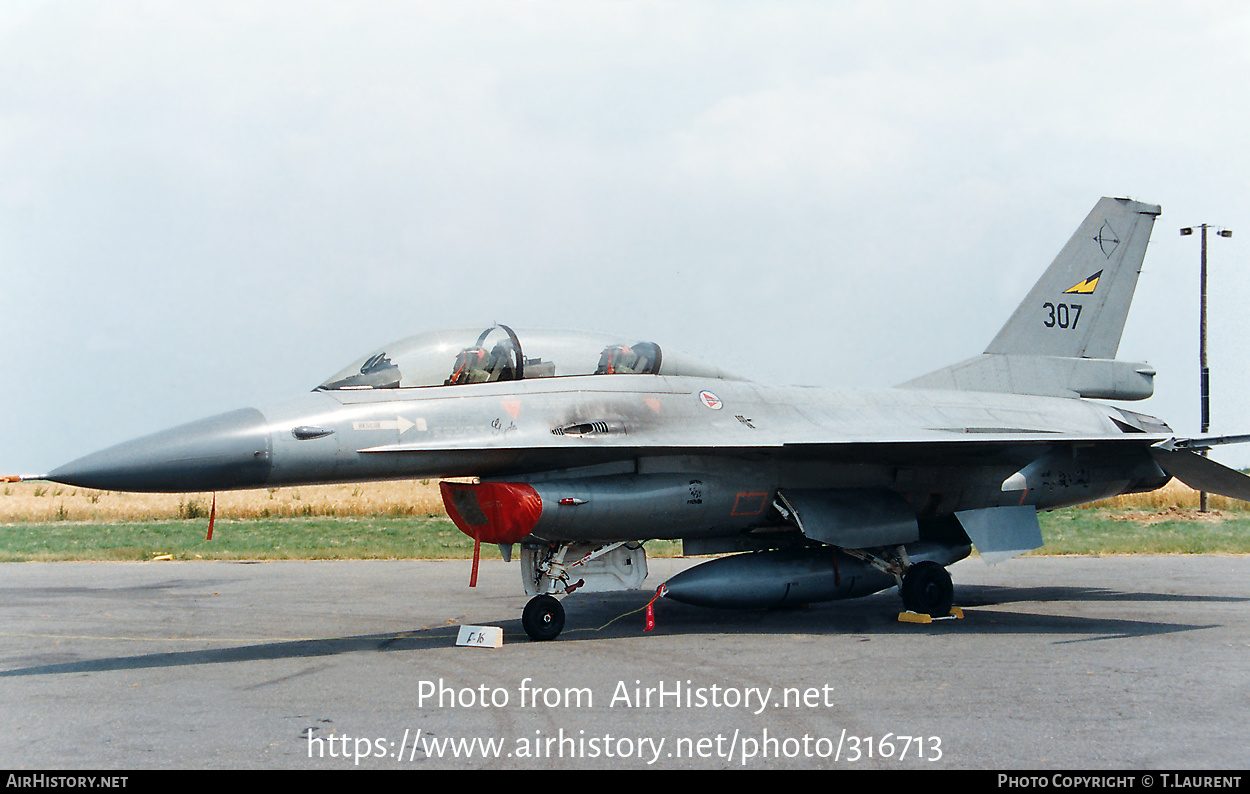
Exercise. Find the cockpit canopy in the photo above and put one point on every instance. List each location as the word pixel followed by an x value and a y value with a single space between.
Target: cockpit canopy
pixel 473 355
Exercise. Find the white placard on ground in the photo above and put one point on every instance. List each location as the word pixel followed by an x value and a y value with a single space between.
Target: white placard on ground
pixel 480 636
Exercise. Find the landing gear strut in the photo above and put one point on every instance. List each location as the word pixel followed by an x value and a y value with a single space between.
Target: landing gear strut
pixel 554 569
pixel 543 618
pixel 925 586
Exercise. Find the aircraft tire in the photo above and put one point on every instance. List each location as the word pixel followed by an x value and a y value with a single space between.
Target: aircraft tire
pixel 543 618
pixel 927 589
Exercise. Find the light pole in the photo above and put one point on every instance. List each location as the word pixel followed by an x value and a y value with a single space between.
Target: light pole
pixel 1205 373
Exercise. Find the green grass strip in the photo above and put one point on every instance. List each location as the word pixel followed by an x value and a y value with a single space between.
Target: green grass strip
pixel 1072 531
pixel 1089 531
pixel 261 539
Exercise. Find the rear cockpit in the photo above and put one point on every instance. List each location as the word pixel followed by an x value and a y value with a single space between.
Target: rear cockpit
pixel 498 353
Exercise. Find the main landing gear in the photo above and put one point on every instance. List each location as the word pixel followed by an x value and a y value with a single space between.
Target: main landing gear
pixel 927 589
pixel 925 586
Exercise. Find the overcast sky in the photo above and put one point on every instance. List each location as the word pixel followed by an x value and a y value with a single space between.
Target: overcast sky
pixel 208 205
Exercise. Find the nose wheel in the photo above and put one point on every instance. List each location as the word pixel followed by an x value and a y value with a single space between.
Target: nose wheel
pixel 543 618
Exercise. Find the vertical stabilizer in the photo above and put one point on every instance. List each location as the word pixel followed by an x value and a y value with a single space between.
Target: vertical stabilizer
pixel 1062 340
pixel 1078 308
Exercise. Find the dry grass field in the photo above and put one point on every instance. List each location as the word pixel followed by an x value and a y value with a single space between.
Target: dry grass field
pixel 33 502
pixel 1173 498
pixel 30 502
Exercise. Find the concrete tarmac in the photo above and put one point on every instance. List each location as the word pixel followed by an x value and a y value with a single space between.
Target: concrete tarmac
pixel 1081 663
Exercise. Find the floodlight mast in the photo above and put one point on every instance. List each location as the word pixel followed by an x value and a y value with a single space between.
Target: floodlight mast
pixel 1204 371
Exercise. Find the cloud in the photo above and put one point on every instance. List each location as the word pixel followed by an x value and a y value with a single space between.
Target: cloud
pixel 254 193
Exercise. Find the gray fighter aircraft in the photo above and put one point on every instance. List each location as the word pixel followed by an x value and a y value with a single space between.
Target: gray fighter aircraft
pixel 584 447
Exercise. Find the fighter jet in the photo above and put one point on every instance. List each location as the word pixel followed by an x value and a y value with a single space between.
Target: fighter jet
pixel 581 447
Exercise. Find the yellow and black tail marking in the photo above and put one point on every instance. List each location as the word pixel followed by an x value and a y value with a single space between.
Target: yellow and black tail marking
pixel 1086 287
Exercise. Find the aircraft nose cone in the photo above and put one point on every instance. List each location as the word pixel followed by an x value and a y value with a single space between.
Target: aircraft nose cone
pixel 231 450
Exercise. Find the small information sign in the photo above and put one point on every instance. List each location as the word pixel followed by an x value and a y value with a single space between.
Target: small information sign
pixel 480 636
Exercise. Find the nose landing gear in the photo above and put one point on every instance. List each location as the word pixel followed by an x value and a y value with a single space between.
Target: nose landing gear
pixel 543 618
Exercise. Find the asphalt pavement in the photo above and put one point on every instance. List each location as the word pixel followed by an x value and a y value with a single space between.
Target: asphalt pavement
pixel 1135 662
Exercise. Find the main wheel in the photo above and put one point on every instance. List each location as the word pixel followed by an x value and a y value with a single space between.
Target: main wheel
pixel 543 618
pixel 927 589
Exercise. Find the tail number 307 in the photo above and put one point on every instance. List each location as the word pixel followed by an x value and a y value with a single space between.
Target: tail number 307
pixel 1063 315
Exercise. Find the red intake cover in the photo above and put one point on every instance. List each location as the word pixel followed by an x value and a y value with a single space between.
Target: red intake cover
pixel 492 512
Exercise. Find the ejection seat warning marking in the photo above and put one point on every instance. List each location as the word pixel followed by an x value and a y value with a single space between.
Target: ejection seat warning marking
pixel 711 400
pixel 480 637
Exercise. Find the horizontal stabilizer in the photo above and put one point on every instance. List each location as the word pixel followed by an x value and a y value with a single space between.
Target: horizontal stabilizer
pixel 1050 376
pixel 1203 474
pixel 1000 533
